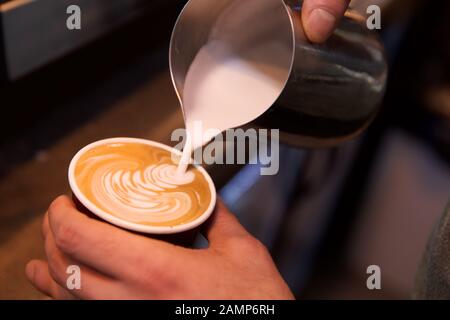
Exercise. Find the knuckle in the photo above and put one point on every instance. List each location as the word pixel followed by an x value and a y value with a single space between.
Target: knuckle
pixel 66 237
pixel 54 206
pixel 253 246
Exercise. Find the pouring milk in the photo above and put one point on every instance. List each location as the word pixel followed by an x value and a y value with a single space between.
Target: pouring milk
pixel 226 89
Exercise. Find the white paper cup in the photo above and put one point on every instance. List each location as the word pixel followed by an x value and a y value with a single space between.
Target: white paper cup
pixel 178 233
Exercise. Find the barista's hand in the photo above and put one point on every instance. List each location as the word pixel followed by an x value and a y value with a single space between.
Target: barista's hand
pixel 320 17
pixel 116 264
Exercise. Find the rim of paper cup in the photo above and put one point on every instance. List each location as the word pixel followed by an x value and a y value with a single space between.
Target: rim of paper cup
pixel 133 225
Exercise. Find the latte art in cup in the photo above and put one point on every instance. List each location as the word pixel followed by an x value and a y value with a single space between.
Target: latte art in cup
pixel 139 183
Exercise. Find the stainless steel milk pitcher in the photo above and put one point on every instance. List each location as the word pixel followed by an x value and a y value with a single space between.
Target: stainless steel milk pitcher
pixel 332 90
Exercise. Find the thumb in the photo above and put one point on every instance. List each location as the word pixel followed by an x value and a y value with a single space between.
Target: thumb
pixel 222 226
pixel 320 17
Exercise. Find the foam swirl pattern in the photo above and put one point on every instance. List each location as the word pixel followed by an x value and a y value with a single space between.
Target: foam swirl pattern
pixel 139 183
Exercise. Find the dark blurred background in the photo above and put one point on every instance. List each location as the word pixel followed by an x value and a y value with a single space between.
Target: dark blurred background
pixel 326 217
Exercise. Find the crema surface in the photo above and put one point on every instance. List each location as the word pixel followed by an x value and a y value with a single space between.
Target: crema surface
pixel 139 183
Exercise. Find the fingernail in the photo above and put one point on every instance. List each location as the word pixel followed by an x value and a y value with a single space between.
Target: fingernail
pixel 321 24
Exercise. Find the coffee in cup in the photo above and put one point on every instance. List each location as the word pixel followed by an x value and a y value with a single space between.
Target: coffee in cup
pixel 134 184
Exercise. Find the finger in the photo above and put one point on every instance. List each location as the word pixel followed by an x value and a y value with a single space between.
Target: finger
pixel 92 285
pixel 39 276
pixel 320 17
pixel 222 226
pixel 100 246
